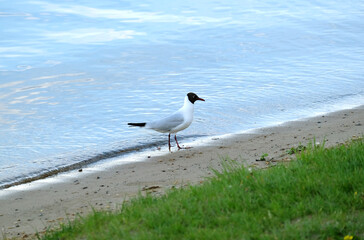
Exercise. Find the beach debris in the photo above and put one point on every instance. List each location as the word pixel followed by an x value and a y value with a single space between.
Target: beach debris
pixel 153 188
pixel 282 159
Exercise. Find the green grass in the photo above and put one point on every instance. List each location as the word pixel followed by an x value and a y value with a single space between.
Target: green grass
pixel 318 196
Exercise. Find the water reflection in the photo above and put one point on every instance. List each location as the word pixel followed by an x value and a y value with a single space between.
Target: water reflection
pixel 20 51
pixel 91 35
pixel 128 15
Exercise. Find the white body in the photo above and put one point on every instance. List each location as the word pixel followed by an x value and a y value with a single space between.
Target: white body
pixel 176 122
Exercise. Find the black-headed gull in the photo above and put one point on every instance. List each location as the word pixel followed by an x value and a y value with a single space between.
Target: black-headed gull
pixel 176 122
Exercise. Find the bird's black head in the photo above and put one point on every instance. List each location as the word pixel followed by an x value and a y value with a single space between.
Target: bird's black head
pixel 193 97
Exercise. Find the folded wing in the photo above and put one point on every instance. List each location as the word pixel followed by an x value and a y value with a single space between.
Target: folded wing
pixel 167 124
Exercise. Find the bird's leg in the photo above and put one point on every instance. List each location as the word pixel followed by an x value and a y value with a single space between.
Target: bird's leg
pixel 179 147
pixel 175 138
pixel 169 142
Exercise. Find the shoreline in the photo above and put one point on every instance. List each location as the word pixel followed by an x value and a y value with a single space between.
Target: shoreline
pixel 145 151
pixel 26 209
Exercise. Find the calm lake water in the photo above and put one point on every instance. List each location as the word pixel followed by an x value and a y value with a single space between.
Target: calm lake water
pixel 73 73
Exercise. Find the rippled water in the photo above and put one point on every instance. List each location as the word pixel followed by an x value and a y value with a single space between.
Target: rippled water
pixel 73 73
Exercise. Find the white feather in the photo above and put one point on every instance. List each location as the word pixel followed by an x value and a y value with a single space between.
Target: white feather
pixel 176 122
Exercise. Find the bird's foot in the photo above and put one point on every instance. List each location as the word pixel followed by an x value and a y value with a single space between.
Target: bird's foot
pixel 179 148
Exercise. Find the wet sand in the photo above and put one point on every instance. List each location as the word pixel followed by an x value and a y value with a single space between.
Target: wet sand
pixel 31 208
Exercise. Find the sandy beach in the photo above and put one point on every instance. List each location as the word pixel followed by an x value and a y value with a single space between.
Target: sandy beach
pixel 27 209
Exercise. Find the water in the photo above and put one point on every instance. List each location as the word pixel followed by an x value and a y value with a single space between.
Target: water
pixel 73 73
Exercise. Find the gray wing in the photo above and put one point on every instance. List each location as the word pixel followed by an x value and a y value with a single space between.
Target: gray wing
pixel 168 123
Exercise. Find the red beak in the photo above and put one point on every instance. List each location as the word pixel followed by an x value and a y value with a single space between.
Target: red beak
pixel 200 99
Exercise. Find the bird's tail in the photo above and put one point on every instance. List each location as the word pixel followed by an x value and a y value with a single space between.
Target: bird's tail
pixel 137 124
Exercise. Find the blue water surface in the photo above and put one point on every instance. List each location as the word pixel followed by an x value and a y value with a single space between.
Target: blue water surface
pixel 73 73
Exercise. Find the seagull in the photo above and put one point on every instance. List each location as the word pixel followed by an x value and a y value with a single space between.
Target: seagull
pixel 174 123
